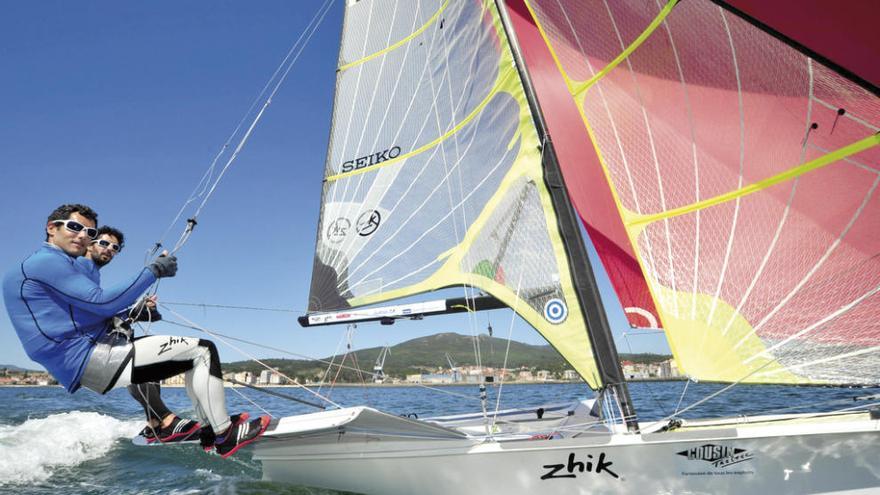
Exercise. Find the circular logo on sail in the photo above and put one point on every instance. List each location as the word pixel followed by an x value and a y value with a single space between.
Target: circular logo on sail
pixel 555 311
pixel 338 229
pixel 368 222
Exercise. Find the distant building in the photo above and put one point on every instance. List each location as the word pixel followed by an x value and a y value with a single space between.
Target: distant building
pixel 570 375
pixel 265 377
pixel 413 378
pixel 244 377
pixel 525 376
pixel 438 378
pixel 175 380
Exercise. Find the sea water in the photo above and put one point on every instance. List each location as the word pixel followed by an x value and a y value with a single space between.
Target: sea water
pixel 55 442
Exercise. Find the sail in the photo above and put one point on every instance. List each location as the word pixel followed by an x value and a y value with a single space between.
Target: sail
pixel 742 175
pixel 433 176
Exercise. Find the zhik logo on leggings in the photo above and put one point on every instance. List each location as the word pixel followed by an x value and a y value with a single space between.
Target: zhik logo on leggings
pixel 168 345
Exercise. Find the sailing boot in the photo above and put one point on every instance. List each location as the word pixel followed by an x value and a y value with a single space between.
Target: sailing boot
pixel 240 434
pixel 207 435
pixel 180 430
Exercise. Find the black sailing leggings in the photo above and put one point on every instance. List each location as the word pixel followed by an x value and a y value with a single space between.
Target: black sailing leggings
pixel 157 357
pixel 148 395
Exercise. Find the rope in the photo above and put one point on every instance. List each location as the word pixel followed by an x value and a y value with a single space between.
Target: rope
pixel 206 186
pixel 217 336
pixel 245 397
pixel 650 390
pixel 224 306
pixel 506 351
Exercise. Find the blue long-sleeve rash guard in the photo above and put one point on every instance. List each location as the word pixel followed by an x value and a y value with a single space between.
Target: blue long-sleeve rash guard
pixel 58 310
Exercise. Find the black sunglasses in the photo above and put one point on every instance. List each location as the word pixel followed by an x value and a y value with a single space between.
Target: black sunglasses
pixel 74 226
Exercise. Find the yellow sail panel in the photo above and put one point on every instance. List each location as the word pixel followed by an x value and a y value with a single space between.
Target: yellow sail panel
pixel 746 177
pixel 434 176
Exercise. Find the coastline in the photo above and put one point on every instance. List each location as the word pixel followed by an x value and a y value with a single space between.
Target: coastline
pixel 387 385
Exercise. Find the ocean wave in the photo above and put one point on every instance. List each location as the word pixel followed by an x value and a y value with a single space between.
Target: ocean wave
pixel 37 448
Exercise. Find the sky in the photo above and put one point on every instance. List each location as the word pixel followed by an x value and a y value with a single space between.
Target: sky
pixel 123 106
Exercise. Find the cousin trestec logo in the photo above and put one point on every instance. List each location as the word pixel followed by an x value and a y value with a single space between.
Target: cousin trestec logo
pixel 718 456
pixel 371 159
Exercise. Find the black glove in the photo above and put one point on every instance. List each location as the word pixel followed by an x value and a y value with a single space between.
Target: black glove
pixel 164 266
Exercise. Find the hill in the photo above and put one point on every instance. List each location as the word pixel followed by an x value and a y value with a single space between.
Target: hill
pixel 428 354
pixel 17 369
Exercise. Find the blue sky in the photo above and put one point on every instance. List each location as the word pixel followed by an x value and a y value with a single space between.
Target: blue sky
pixel 123 105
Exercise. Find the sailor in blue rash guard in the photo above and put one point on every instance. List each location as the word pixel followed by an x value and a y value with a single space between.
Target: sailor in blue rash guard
pixel 58 312
pixel 61 317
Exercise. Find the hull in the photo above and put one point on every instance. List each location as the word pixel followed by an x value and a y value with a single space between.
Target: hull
pixel 781 454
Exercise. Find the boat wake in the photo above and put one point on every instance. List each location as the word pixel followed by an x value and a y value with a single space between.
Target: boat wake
pixel 37 448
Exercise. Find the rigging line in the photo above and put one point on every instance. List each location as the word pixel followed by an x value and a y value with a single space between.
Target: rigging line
pixel 276 349
pixel 205 180
pixel 281 80
pixel 215 335
pixel 333 359
pixel 709 397
pixel 861 406
pixel 314 27
pixel 681 398
pixel 506 355
pixel 245 397
pixel 330 363
pixel 224 306
pixel 657 401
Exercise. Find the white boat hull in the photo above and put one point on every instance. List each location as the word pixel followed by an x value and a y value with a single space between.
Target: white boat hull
pixel 363 453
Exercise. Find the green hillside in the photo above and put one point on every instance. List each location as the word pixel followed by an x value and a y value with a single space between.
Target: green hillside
pixel 426 355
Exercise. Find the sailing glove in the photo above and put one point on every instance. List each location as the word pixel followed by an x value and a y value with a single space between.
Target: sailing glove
pixel 164 266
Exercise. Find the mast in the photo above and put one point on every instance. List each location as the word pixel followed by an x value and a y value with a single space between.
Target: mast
pixel 598 329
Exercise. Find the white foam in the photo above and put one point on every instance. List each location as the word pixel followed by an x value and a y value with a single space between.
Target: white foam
pixel 35 449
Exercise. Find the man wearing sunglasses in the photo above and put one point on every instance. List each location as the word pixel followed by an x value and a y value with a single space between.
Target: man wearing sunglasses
pixel 61 317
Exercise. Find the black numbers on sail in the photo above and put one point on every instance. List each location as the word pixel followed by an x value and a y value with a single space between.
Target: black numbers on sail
pixel 371 159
